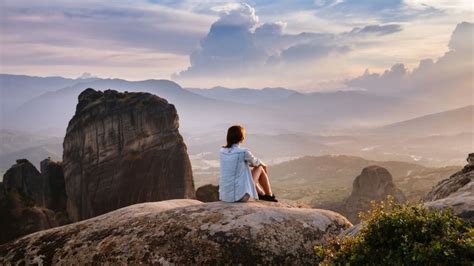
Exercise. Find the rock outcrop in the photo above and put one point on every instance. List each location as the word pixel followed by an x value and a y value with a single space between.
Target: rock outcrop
pixel 374 183
pixel 199 233
pixel 24 178
pixel 455 192
pixel 208 193
pixel 54 189
pixel 22 200
pixel 121 149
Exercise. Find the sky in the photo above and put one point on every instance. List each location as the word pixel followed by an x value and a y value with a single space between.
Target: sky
pixel 304 45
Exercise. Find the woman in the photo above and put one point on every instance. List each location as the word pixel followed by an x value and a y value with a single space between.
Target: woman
pixel 238 182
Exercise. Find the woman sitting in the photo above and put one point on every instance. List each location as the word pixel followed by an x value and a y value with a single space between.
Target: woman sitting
pixel 238 182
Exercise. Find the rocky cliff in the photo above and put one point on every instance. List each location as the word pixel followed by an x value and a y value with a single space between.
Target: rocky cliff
pixel 25 179
pixel 21 202
pixel 374 183
pixel 184 232
pixel 121 149
pixel 54 190
pixel 455 192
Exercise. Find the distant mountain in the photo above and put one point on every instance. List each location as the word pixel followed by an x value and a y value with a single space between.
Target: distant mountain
pixel 275 110
pixel 245 95
pixel 54 109
pixel 17 89
pixel 34 154
pixel 17 144
pixel 346 108
pixel 12 141
pixel 455 121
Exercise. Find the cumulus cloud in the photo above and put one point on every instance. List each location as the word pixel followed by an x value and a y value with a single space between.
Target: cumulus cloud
pixel 450 78
pixel 237 44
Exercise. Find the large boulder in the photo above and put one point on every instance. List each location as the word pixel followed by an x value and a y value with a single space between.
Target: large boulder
pixel 200 233
pixel 121 149
pixel 24 178
pixel 455 192
pixel 374 183
pixel 208 193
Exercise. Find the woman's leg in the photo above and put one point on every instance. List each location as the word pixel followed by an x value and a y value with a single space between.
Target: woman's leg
pixel 260 178
pixel 255 175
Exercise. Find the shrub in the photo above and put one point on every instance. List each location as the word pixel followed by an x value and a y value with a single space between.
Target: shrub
pixel 407 234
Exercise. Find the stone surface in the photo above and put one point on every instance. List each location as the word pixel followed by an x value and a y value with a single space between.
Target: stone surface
pixel 54 189
pixel 24 178
pixel 121 149
pixel 374 183
pixel 452 184
pixel 208 193
pixel 200 233
pixel 455 192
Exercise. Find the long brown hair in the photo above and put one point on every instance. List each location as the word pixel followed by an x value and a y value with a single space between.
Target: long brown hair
pixel 235 134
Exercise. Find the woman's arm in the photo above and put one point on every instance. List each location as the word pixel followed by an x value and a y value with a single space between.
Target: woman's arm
pixel 252 160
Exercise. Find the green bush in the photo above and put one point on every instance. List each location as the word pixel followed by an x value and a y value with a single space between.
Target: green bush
pixel 396 234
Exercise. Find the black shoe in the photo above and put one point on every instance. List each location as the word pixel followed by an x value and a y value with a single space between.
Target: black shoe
pixel 268 198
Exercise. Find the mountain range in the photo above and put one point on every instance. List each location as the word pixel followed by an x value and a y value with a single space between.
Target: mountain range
pixel 34 103
pixel 281 123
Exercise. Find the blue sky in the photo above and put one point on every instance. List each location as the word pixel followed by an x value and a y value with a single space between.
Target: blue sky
pixel 305 45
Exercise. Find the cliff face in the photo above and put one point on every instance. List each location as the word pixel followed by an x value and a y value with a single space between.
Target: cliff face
pixel 184 232
pixel 54 190
pixel 455 192
pixel 22 199
pixel 25 179
pixel 121 149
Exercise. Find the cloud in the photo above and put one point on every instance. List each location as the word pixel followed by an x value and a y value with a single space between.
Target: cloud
pixel 377 29
pixel 140 26
pixel 450 78
pixel 369 10
pixel 238 45
pixel 70 37
pixel 230 44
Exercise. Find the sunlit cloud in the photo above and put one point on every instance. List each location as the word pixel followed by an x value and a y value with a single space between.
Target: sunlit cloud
pixel 300 44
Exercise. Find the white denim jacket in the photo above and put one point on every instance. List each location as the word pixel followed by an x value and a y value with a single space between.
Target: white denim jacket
pixel 236 178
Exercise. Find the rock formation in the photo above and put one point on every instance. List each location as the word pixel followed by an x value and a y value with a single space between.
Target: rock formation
pixel 21 199
pixel 374 183
pixel 208 193
pixel 18 217
pixel 24 178
pixel 455 192
pixel 54 190
pixel 121 149
pixel 198 233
